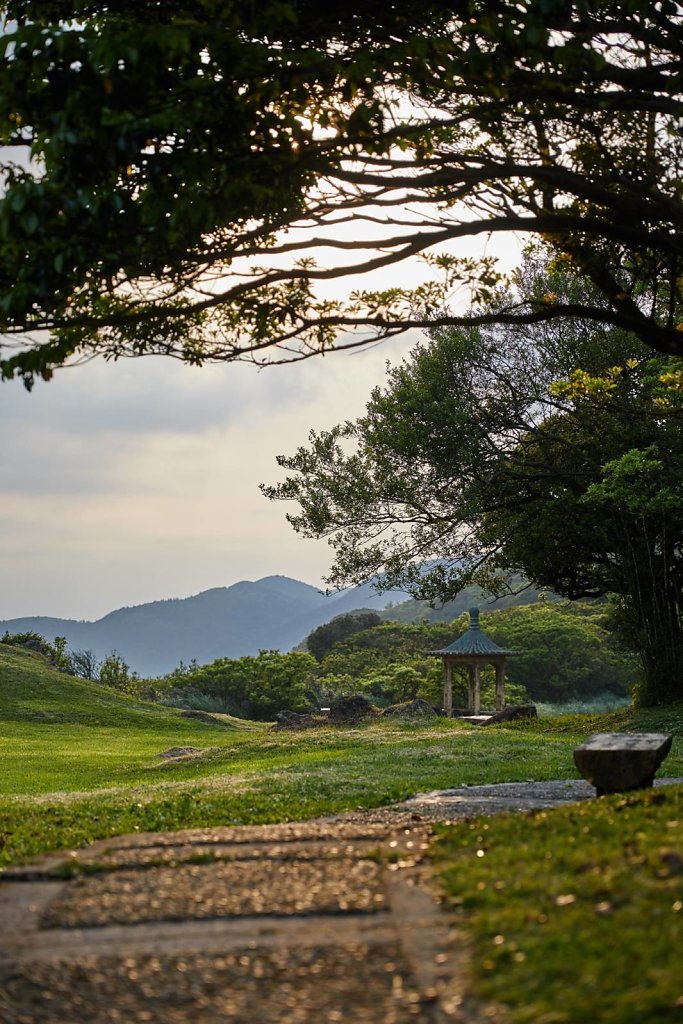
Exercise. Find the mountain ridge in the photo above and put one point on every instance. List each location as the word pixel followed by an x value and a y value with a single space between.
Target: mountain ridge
pixel 275 612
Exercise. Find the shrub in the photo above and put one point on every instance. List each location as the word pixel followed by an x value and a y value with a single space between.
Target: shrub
pixel 251 687
pixel 55 652
pixel 116 673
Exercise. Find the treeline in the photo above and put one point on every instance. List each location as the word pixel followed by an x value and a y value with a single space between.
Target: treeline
pixel 566 652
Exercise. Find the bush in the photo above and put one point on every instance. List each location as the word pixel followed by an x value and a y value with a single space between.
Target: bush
pixel 55 652
pixel 396 684
pixel 116 673
pixel 250 687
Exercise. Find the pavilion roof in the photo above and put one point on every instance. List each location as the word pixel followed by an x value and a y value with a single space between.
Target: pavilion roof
pixel 473 642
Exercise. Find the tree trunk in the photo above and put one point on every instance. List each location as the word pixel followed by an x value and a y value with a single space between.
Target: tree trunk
pixel 654 607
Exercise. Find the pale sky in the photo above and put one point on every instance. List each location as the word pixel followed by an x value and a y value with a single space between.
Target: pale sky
pixel 127 482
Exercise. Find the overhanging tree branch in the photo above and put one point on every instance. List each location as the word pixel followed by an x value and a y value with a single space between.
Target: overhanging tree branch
pixel 178 145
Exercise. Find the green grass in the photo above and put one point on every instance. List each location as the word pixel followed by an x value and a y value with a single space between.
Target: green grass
pixel 575 914
pixel 80 762
pixel 61 733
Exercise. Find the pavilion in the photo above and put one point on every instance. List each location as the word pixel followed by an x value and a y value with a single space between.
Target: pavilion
pixel 473 649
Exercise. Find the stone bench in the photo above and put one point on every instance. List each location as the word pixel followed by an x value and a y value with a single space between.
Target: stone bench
pixel 615 762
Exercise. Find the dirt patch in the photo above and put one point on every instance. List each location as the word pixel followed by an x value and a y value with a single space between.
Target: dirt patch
pixel 179 752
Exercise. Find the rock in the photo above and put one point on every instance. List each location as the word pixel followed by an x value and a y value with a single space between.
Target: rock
pixel 33 645
pixel 511 713
pixel 417 708
pixel 293 720
pixel 351 709
pixel 615 762
pixel 178 752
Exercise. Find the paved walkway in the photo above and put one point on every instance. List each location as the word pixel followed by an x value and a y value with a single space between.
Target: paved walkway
pixel 326 921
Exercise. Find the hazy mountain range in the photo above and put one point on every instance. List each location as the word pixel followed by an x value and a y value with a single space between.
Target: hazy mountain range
pixel 275 612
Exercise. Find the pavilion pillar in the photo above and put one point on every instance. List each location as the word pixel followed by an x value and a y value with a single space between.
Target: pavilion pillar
pixel 448 689
pixel 477 688
pixel 500 686
pixel 470 688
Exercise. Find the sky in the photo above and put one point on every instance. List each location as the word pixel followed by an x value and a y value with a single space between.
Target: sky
pixel 128 482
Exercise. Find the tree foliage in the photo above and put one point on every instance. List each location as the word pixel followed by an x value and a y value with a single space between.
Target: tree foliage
pixel 251 687
pixel 181 177
pixel 323 638
pixel 567 651
pixel 548 451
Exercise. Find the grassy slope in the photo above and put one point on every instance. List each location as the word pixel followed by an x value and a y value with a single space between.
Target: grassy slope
pixel 80 762
pixel 62 733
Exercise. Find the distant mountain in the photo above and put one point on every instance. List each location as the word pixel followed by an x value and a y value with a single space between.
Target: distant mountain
pixel 420 611
pixel 273 613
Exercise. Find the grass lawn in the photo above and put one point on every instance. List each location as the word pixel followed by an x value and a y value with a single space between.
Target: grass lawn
pixel 567 909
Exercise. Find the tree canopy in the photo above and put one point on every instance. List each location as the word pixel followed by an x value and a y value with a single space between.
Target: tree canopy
pixel 549 450
pixel 180 178
pixel 320 640
pixel 567 652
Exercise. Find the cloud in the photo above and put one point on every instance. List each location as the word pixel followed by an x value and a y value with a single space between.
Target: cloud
pixel 146 395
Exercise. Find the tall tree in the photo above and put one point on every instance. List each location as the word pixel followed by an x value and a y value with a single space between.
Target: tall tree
pixel 181 177
pixel 551 450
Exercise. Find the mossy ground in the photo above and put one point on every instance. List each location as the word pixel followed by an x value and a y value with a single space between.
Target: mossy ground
pixel 576 914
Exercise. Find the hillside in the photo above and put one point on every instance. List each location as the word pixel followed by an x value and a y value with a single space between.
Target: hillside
pixel 31 691
pixel 420 611
pixel 276 612
pixel 64 734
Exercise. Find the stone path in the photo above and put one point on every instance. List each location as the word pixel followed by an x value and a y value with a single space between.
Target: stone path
pixel 297 924
pixel 326 921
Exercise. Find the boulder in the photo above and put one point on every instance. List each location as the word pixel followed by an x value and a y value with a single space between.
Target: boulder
pixel 417 708
pixel 511 713
pixel 293 720
pixel 351 709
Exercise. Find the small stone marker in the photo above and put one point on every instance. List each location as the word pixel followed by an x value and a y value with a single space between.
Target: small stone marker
pixel 615 762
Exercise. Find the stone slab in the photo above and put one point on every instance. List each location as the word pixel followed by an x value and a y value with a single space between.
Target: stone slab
pixel 98 858
pixel 349 984
pixel 220 889
pixel 323 963
pixel 615 762
pixel 503 797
